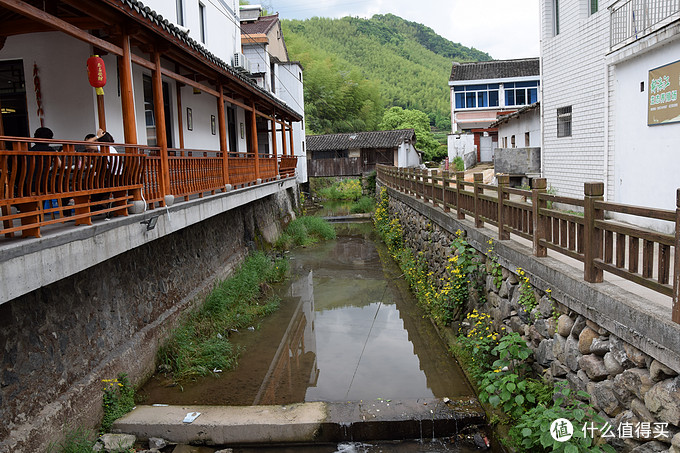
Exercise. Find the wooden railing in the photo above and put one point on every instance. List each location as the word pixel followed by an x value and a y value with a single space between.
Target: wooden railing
pixel 68 182
pixel 581 230
pixel 39 188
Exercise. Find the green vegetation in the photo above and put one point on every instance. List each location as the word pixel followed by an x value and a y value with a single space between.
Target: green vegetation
pixel 304 231
pixel 118 400
pixel 201 344
pixel 78 440
pixel 458 163
pixel 362 205
pixel 527 298
pixel 398 118
pixel 356 67
pixel 346 189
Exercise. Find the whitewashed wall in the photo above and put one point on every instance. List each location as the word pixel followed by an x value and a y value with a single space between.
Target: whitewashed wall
pixel 407 156
pixel 528 122
pixel 574 74
pixel 289 88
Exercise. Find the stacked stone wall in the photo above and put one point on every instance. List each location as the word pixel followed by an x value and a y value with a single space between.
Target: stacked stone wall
pixel 628 387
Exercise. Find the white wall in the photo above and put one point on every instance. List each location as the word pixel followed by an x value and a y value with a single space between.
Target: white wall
pixel 289 88
pixel 407 156
pixel 528 122
pixel 573 71
pixel 647 157
pixel 68 99
pixel 460 145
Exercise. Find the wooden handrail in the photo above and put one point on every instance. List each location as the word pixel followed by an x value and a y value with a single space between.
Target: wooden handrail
pixel 626 250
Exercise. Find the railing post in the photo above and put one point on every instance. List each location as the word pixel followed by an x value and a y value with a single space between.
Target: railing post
pixel 478 179
pixel 424 175
pixel 416 182
pixel 593 191
pixel 539 187
pixel 503 183
pixel 433 183
pixel 446 178
pixel 676 265
pixel 460 177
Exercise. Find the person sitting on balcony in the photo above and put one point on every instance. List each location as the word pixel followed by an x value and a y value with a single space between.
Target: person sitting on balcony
pixel 113 167
pixel 48 165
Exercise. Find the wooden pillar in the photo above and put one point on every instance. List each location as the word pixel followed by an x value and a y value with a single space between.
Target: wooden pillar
pixel 292 143
pixel 161 136
pixel 253 135
pixel 283 138
pixel 433 184
pixel 274 145
pixel 593 191
pixel 101 112
pixel 222 124
pixel 675 314
pixel 126 92
pixel 478 180
pixel 540 186
pixel 503 183
pixel 460 177
pixel 446 178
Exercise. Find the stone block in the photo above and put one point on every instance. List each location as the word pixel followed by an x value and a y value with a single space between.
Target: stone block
pixel 663 400
pixel 579 325
pixel 564 325
pixel 585 339
pixel 659 372
pixel 640 410
pixel 558 347
pixel 636 356
pixel 616 347
pixel 593 366
pixel 558 369
pixel 503 290
pixel 545 307
pixel 117 442
pixel 653 446
pixel 637 381
pixel 571 354
pixel 613 367
pixel 603 397
pixel 544 353
pixel 600 346
pixel 512 279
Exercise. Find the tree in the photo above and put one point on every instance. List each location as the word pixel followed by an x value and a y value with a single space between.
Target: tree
pixel 398 118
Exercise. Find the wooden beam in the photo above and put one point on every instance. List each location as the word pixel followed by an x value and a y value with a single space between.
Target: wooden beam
pixel 53 22
pixel 24 26
pixel 222 123
pixel 191 83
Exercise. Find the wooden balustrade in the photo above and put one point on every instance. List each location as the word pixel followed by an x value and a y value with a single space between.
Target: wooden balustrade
pixel 67 181
pixel 287 166
pixel 582 231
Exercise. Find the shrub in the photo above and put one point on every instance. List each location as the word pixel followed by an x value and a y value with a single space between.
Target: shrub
pixel 347 189
pixel 363 204
pixel 458 163
pixel 303 231
pixel 118 400
pixel 78 440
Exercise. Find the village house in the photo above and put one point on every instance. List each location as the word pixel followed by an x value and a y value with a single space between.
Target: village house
pixel 357 153
pixel 266 58
pixel 483 91
pixel 609 107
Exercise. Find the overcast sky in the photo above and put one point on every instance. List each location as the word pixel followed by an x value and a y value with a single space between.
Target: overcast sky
pixel 504 28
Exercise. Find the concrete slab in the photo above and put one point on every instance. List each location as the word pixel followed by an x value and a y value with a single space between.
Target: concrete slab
pixel 304 423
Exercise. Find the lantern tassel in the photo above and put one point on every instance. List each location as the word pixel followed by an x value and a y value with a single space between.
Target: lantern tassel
pixel 99 91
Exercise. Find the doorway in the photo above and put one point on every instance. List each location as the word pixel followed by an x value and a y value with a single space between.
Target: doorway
pixel 14 112
pixel 150 115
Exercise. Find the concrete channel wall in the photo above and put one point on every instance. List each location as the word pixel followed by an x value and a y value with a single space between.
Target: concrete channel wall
pixel 617 346
pixel 61 340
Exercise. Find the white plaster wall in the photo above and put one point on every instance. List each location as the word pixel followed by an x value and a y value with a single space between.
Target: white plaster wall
pixel 460 145
pixel 289 88
pixel 573 71
pixel 202 107
pixel 528 122
pixel 407 156
pixel 223 36
pixel 68 99
pixel 647 158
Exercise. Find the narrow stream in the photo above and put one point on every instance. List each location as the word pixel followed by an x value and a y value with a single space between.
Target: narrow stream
pixel 348 330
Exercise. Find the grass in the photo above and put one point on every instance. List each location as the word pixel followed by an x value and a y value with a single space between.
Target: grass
pixel 77 440
pixel 347 189
pixel 201 344
pixel 363 204
pixel 304 231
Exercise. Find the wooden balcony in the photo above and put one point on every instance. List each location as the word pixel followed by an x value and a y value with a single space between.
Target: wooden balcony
pixel 72 185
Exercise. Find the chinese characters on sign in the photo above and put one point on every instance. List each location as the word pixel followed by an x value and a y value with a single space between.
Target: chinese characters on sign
pixel 663 106
pixel 627 430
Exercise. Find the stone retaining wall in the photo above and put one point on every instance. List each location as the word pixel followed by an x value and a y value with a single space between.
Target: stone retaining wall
pixel 627 386
pixel 60 341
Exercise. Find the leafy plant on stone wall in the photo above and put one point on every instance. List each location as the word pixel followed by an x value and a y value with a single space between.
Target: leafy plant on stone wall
pixel 527 298
pixel 493 267
pixel 118 400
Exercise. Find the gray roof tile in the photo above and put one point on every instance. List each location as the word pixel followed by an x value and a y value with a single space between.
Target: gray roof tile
pixel 363 140
pixel 496 69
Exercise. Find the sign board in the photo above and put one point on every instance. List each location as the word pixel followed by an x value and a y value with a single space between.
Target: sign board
pixel 664 83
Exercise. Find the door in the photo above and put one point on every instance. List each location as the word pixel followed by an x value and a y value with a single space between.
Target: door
pixel 486 148
pixel 150 116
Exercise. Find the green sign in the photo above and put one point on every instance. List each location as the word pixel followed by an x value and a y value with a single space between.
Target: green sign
pixel 663 106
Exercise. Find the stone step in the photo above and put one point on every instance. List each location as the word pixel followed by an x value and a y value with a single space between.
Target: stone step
pixel 305 422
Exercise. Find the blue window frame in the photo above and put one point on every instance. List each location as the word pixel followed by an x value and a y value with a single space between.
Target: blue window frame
pixel 476 96
pixel 521 93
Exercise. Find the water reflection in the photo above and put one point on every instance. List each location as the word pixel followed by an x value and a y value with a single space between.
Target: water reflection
pixel 348 329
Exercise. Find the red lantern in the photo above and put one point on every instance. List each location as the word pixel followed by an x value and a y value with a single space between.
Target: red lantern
pixel 96 73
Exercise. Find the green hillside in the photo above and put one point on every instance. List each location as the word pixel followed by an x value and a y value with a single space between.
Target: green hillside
pixel 356 68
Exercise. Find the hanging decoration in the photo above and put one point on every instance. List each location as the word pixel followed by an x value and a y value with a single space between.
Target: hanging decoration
pixel 96 73
pixel 38 95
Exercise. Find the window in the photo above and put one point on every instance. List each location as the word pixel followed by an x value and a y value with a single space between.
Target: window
pixel 476 96
pixel 201 21
pixel 521 93
pixel 593 6
pixel 564 121
pixel 180 12
pixel 512 141
pixel 527 140
pixel 556 17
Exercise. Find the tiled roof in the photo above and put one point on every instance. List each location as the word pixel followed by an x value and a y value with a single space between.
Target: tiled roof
pixel 262 25
pixel 496 69
pixel 150 15
pixel 505 118
pixel 362 140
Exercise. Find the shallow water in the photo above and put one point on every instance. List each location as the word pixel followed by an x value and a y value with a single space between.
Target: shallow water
pixel 348 330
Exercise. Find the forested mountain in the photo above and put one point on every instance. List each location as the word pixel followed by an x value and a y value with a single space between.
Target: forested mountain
pixel 355 69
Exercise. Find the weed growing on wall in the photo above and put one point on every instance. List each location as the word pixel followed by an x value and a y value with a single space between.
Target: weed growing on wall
pixel 493 268
pixel 527 298
pixel 118 400
pixel 77 440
